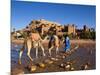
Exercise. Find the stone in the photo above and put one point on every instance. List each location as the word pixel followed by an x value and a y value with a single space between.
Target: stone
pixel 72 69
pixel 48 61
pixel 54 59
pixel 63 57
pixel 32 68
pixel 42 65
pixel 62 65
pixel 67 66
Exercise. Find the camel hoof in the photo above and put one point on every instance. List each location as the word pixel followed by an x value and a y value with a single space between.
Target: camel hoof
pixel 31 59
pixel 19 62
pixel 44 54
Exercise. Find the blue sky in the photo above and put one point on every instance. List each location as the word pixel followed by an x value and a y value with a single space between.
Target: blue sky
pixel 22 13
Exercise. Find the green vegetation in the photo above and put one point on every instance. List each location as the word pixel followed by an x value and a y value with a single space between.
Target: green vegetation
pixel 88 35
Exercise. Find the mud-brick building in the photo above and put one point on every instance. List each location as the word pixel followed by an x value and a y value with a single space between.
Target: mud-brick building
pixel 85 28
pixel 44 26
pixel 70 29
pixel 47 26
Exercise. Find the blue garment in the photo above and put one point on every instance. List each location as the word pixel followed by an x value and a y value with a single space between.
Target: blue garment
pixel 67 44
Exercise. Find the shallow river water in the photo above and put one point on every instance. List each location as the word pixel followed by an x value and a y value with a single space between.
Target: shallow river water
pixel 86 53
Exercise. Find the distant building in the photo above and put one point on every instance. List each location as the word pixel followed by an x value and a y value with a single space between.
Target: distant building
pixel 47 27
pixel 44 26
pixel 70 29
pixel 85 28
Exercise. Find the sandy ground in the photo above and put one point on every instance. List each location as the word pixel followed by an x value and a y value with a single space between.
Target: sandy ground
pixel 81 41
pixel 82 58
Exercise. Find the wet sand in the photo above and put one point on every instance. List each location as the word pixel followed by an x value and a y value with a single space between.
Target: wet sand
pixel 85 54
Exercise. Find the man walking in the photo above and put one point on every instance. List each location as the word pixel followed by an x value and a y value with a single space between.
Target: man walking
pixel 67 44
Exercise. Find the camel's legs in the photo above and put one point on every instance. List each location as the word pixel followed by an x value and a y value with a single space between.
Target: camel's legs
pixel 28 54
pixel 42 49
pixel 36 52
pixel 57 50
pixel 20 54
pixel 29 46
pixel 50 50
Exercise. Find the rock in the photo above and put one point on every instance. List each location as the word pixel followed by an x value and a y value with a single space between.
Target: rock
pixel 48 61
pixel 42 65
pixel 67 66
pixel 63 57
pixel 69 63
pixel 72 69
pixel 54 59
pixel 32 68
pixel 85 66
pixel 62 65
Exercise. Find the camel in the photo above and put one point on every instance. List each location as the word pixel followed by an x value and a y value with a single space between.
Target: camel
pixel 54 42
pixel 34 40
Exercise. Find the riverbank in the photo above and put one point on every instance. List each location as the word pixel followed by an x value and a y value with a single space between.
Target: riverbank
pixel 80 41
